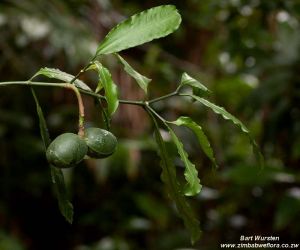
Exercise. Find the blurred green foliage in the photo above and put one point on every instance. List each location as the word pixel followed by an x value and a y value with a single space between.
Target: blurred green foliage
pixel 246 51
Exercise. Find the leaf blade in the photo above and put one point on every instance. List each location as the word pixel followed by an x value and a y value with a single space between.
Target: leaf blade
pixel 42 122
pixel 110 88
pixel 202 138
pixel 198 87
pixel 57 178
pixel 140 28
pixel 227 116
pixel 140 79
pixel 65 206
pixel 174 189
pixel 63 76
pixel 193 186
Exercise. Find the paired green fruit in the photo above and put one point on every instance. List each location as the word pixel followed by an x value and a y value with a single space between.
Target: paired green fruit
pixel 69 149
pixel 66 150
pixel 101 143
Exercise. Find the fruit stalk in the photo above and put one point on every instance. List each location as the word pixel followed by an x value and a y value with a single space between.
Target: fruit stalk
pixel 80 107
pixel 60 85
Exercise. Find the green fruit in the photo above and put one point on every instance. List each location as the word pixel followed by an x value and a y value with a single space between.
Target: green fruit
pixel 101 143
pixel 66 150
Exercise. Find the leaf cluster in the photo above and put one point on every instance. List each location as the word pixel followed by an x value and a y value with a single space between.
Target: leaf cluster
pixel 141 28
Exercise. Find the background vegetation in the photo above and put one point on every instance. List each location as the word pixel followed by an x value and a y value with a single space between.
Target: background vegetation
pixel 246 52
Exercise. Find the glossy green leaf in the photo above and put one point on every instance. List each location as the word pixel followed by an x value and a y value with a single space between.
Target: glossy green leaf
pixel 228 116
pixel 202 138
pixel 63 76
pixel 193 186
pixel 198 88
pixel 96 65
pixel 143 27
pixel 110 88
pixel 65 206
pixel 174 188
pixel 140 79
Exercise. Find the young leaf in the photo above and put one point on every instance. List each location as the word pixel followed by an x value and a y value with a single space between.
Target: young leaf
pixel 228 116
pixel 110 88
pixel 174 189
pixel 198 88
pixel 202 139
pixel 140 79
pixel 193 186
pixel 63 76
pixel 141 28
pixel 65 206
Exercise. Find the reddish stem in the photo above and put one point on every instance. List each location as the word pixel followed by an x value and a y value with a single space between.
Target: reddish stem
pixel 80 107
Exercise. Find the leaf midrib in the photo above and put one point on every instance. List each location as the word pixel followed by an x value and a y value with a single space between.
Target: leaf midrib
pixel 139 29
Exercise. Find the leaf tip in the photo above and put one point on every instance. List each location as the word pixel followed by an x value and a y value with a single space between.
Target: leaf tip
pixel 195 237
pixel 192 191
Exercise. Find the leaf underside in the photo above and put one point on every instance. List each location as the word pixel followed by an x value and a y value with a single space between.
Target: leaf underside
pixel 143 27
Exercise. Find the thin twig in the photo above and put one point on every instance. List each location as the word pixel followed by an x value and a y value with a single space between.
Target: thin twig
pixel 163 97
pixel 156 114
pixel 62 85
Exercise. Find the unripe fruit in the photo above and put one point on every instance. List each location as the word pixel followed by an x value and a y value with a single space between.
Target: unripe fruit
pixel 101 143
pixel 66 150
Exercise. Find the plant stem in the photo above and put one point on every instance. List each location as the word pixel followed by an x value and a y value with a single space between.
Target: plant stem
pixel 145 104
pixel 104 115
pixel 90 93
pixel 156 114
pixel 82 70
pixel 62 85
pixel 138 103
pixel 29 83
pixel 185 94
pixel 131 102
pixel 163 97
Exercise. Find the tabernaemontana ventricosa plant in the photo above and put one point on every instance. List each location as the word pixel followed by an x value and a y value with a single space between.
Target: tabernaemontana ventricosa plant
pixel 69 149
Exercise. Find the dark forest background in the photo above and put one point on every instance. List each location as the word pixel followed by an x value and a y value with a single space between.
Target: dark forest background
pixel 246 52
